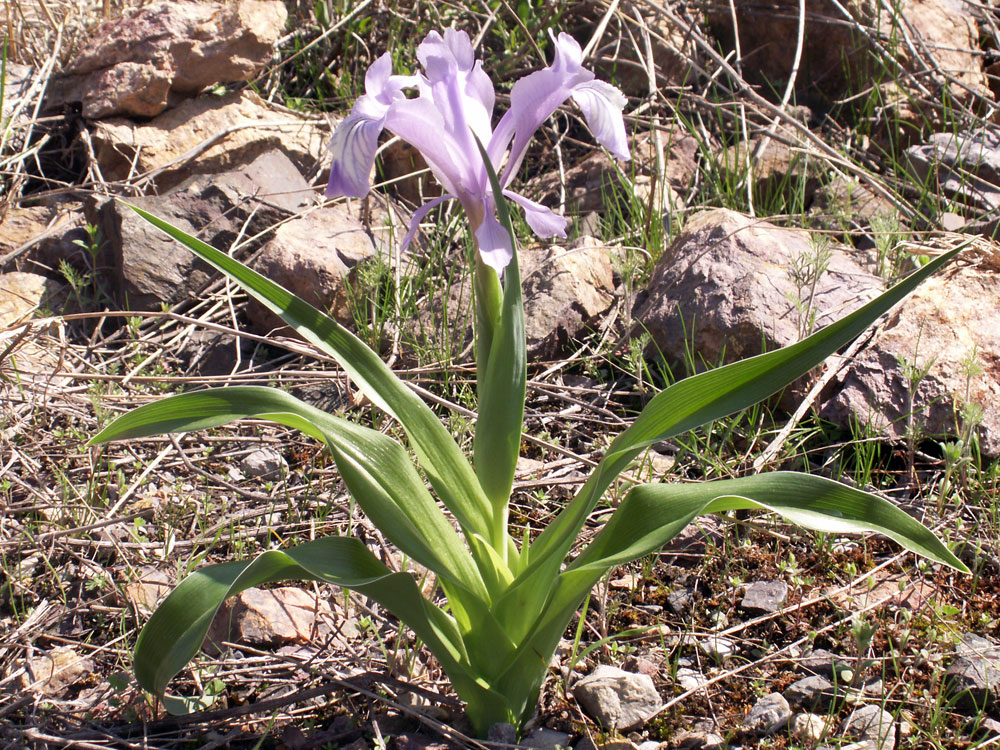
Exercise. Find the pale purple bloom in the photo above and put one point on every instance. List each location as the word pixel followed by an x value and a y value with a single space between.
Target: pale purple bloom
pixel 454 101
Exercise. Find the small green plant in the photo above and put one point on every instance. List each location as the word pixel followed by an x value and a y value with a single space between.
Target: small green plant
pixel 508 600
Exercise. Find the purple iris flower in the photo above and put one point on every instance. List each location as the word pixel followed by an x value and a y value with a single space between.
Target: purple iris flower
pixel 454 101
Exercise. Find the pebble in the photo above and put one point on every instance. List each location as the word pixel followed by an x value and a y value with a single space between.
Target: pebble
pixel 811 692
pixel 765 596
pixel 768 715
pixel 264 463
pixel 871 724
pixel 808 728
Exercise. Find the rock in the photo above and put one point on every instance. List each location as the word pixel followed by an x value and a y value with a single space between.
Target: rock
pixel 845 204
pixel 717 647
pixel 871 724
pixel 52 672
pixel 135 63
pixel 566 290
pixel 726 289
pixel 950 320
pixel 765 596
pixel 17 83
pixel 543 738
pixel 974 677
pixel 265 464
pixel 690 679
pixel 270 618
pixel 811 692
pixel 503 733
pixel 808 729
pixel 963 166
pixel 150 269
pixel 699 740
pixel 825 663
pixel 148 590
pixel 780 174
pixel 47 234
pixel 620 700
pixel 22 294
pixel 314 256
pixel 837 59
pixel 768 715
pixel 597 183
pixel 674 54
pixel 680 600
pixel 207 135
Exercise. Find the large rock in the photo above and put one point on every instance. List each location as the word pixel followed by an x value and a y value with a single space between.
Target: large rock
pixel 206 135
pixel 950 321
pixel 838 58
pixel 620 700
pixel 51 673
pixel 566 290
pixel 136 63
pixel 725 289
pixel 150 269
pixel 22 294
pixel 315 257
pixel 46 234
pixel 271 617
pixel 974 677
pixel 962 166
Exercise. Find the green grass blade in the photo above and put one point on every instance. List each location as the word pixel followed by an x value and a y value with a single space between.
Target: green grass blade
pixel 448 470
pixel 375 468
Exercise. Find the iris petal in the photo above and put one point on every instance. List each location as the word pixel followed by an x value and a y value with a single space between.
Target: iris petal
pixel 543 221
pixel 602 105
pixel 354 144
pixel 494 243
pixel 418 216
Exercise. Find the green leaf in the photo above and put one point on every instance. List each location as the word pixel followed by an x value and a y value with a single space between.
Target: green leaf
pixel 502 381
pixel 652 514
pixel 447 468
pixel 175 631
pixel 375 468
pixel 712 395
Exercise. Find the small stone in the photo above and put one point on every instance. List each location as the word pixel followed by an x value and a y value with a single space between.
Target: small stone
pixel 149 590
pixel 544 738
pixel 699 740
pixel 619 700
pixel 768 715
pixel 650 745
pixel 619 745
pixel 690 679
pixel 811 692
pixel 503 733
pixel 641 665
pixel 765 596
pixel 264 463
pixel 718 647
pixel 823 662
pixel 680 600
pixel 49 674
pixel 871 724
pixel 808 728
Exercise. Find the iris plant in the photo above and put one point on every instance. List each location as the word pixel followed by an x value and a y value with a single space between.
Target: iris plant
pixel 501 603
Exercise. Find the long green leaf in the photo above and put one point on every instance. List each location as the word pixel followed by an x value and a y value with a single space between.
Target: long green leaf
pixel 375 468
pixel 447 468
pixel 502 381
pixel 712 395
pixel 651 515
pixel 175 631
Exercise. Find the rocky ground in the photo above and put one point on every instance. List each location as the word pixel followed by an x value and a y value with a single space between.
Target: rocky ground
pixel 789 163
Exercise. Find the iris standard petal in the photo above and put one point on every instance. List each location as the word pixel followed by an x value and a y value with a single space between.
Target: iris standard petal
pixel 354 144
pixel 494 242
pixel 602 105
pixel 543 221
